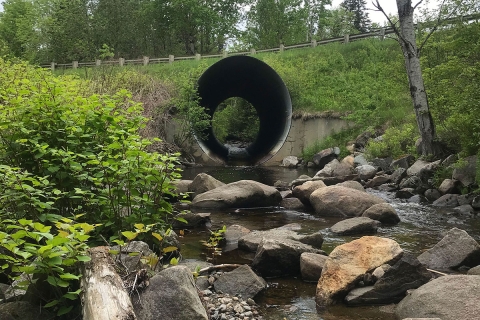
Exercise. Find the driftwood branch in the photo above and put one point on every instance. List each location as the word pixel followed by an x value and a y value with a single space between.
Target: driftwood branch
pixel 104 296
pixel 218 267
pixel 438 272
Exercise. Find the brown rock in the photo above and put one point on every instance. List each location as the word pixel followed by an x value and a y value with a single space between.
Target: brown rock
pixel 303 192
pixel 311 265
pixel 382 212
pixel 349 262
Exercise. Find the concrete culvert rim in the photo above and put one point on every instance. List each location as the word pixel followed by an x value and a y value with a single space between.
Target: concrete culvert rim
pixel 256 82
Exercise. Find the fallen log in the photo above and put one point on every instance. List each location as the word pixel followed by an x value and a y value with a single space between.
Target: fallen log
pixel 103 294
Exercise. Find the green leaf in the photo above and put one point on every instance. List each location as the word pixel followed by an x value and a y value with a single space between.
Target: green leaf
pixel 129 235
pixel 158 236
pixel 133 254
pixel 69 276
pixel 174 261
pixel 169 249
pixel 181 220
pixel 51 304
pixel 64 310
pixel 84 258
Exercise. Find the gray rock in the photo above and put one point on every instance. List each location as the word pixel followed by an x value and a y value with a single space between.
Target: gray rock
pixel 448 161
pixel 382 212
pixel 405 193
pixel 290 162
pixel 330 181
pixel 242 281
pixel 404 162
pixel 311 265
pixel 281 185
pixel 414 169
pixel 286 194
pixel 466 209
pixel 466 174
pixel 292 204
pixel 252 240
pixel 432 194
pixel 366 171
pixel 24 310
pixel 465 199
pixel 341 201
pixel 240 194
pixel 448 298
pixel 276 258
pixel 352 184
pixel 203 183
pixel 417 199
pixel 475 271
pixel 382 164
pixel 181 186
pixel 410 182
pixel 166 287
pixel 476 203
pixel 132 262
pixel 456 249
pixel 447 200
pixel 362 139
pixel 406 274
pixel 232 235
pixel 449 186
pixel 378 181
pixel 335 169
pixel 360 160
pixel 303 192
pixel 325 156
pixel 358 225
pixel 398 175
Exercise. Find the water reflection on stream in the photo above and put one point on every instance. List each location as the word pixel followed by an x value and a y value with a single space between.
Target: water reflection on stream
pixel 420 228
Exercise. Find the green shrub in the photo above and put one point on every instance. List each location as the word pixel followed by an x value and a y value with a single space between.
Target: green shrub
pixel 396 141
pixel 87 147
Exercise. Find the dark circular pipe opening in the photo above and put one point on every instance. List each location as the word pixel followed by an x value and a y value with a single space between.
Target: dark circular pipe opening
pixel 256 82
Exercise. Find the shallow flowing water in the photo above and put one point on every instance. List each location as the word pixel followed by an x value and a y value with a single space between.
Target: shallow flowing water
pixel 420 228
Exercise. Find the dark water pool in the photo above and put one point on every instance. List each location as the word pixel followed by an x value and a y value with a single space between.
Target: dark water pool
pixel 420 228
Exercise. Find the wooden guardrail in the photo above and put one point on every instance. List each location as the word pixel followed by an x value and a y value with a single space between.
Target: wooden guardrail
pixel 380 33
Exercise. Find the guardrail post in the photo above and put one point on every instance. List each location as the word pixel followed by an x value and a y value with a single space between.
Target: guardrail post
pixel 252 51
pixel 382 34
pixel 146 60
pixel 121 62
pixel 52 66
pixel 225 53
pixel 171 58
pixel 74 64
pixel 346 38
pixel 98 63
pixel 314 43
pixel 198 56
pixel 282 47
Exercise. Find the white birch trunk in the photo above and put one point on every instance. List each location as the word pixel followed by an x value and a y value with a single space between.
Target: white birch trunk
pixel 104 296
pixel 415 78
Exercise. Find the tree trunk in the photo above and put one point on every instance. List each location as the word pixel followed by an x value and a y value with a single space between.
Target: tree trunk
pixel 104 296
pixel 415 78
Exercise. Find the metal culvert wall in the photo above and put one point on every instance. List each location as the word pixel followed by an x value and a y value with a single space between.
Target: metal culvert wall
pixel 256 82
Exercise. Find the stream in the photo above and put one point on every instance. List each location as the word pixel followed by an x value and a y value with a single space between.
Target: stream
pixel 421 227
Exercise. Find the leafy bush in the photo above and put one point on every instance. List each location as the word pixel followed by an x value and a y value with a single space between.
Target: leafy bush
pixel 87 147
pixel 396 142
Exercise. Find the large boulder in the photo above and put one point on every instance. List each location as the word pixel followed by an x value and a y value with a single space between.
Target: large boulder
pixel 456 249
pixel 366 171
pixel 240 194
pixel 203 183
pixel 466 173
pixel 242 281
pixel 447 200
pixel 181 186
pixel 231 236
pixel 351 184
pixel 449 186
pixel 398 175
pixel 341 201
pixel 357 225
pixel 311 265
pixel 193 220
pixel 414 169
pixel 448 298
pixel 349 262
pixel 408 273
pixel 382 212
pixel 252 240
pixel 303 192
pixel 335 168
pixel 171 294
pixel 277 258
pixel 404 162
pixel 292 204
pixel 325 156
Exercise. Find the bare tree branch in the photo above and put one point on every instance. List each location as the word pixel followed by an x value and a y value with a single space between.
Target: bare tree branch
pixel 418 3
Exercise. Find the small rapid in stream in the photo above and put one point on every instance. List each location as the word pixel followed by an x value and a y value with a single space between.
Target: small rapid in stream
pixel 421 227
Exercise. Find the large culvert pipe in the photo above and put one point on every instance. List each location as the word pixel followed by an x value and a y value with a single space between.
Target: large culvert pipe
pixel 254 81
